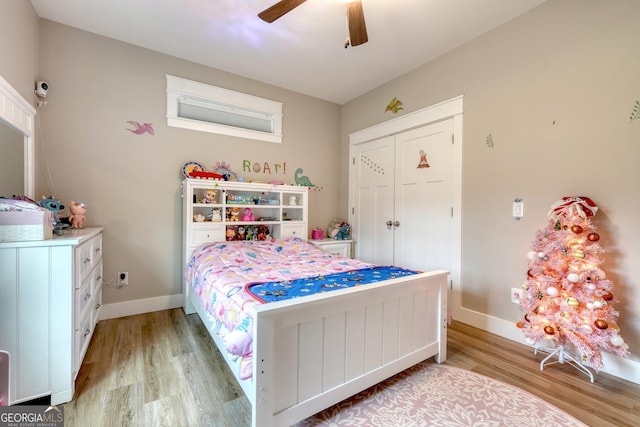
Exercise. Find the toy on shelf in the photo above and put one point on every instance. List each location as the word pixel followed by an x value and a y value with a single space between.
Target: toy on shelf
pixel 209 196
pixel 248 215
pixel 233 214
pixel 198 218
pixel 215 215
pixel 78 211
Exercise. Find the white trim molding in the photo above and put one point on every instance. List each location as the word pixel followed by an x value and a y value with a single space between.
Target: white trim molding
pixel 206 108
pixel 20 115
pixel 140 306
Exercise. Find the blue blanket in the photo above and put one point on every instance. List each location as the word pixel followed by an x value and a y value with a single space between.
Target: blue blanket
pixel 279 291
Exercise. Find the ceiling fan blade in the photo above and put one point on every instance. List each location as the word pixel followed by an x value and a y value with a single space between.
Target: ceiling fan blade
pixel 357 27
pixel 277 10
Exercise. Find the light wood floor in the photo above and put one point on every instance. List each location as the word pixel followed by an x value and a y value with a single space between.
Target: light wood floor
pixel 162 369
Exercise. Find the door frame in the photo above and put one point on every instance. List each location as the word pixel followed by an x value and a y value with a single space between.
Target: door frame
pixel 449 109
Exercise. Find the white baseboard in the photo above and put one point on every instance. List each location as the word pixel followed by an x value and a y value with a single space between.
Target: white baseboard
pixel 626 369
pixel 140 306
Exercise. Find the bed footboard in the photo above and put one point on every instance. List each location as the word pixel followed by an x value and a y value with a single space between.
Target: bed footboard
pixel 313 352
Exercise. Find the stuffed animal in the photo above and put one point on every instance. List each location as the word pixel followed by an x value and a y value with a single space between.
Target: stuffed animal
pixel 231 234
pixel 339 229
pixel 234 214
pixel 78 211
pixel 215 215
pixel 55 206
pixel 248 215
pixel 263 232
pixel 344 232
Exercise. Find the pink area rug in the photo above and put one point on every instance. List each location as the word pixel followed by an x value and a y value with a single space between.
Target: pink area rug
pixel 437 395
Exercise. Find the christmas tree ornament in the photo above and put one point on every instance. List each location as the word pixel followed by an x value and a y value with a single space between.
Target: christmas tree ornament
pixel 617 340
pixel 573 277
pixel 564 261
pixel 576 229
pixel 573 302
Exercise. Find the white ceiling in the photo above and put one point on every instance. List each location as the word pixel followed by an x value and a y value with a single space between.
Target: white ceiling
pixel 304 50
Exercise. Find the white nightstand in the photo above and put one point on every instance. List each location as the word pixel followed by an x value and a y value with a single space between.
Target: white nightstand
pixel 335 247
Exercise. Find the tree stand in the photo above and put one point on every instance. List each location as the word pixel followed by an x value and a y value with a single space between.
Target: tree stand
pixel 563 356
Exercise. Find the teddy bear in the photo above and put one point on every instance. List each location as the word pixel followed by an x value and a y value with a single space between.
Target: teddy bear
pixel 77 217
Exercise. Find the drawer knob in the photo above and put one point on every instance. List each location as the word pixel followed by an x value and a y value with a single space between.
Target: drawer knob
pixel 98 250
pixel 86 260
pixel 87 332
pixel 87 296
pixel 97 306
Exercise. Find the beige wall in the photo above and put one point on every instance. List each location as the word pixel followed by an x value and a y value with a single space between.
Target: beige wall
pixel 555 89
pixel 131 183
pixel 19 46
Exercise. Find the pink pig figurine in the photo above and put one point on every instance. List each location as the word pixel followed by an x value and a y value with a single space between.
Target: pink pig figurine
pixel 248 215
pixel 77 216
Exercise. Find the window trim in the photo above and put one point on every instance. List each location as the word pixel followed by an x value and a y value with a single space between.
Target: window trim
pixel 201 95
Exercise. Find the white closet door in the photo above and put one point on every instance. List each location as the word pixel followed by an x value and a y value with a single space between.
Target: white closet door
pixel 373 171
pixel 423 197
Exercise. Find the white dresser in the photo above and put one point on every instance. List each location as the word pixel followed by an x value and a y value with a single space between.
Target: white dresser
pixel 50 298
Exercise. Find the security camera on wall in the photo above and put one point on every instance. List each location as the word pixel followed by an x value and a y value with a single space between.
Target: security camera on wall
pixel 42 88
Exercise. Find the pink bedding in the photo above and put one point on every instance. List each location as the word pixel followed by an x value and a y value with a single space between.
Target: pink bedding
pixel 218 272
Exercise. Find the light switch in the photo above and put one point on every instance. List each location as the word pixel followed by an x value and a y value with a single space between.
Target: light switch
pixel 518 208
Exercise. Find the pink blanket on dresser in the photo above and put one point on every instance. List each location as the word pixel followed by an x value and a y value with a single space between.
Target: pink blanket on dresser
pixel 218 272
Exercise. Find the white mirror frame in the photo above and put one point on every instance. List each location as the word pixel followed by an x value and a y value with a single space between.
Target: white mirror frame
pixel 20 115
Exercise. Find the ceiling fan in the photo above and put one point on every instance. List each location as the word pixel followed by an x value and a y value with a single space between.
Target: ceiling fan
pixel 355 16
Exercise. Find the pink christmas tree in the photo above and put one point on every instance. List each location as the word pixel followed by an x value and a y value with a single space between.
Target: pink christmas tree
pixel 568 300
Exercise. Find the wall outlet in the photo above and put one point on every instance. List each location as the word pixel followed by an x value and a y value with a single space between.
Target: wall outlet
pixel 123 278
pixel 516 295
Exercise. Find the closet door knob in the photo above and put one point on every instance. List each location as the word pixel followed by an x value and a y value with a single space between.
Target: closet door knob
pixel 389 224
pixel 396 223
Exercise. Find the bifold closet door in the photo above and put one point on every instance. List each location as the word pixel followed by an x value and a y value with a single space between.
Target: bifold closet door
pixel 403 197
pixel 424 197
pixel 373 169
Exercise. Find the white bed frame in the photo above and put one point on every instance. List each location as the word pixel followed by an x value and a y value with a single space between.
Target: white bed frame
pixel 313 352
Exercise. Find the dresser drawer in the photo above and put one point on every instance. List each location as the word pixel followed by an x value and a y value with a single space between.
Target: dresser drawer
pixel 88 255
pixel 294 230
pixel 83 302
pixel 81 342
pixel 210 233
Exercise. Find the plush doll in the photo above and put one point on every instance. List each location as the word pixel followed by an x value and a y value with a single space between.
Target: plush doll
pixel 344 232
pixel 235 214
pixel 231 234
pixel 78 211
pixel 248 215
pixel 215 215
pixel 55 206
pixel 198 218
pixel 263 232
pixel 209 196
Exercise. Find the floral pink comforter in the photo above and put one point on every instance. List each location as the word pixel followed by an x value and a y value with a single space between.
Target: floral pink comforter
pixel 218 272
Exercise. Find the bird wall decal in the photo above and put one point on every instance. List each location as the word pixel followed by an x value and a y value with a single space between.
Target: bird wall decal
pixel 139 129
